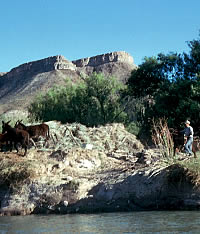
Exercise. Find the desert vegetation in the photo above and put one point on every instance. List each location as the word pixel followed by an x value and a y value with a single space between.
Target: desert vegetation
pixel 94 101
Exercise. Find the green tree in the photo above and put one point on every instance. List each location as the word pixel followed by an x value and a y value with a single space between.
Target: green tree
pixel 192 59
pixel 104 95
pixel 178 103
pixel 169 86
pixel 146 79
pixel 94 100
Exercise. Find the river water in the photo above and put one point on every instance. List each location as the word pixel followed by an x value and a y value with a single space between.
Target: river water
pixel 133 222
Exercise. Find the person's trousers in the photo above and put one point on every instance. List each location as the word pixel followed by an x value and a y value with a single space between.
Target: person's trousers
pixel 188 145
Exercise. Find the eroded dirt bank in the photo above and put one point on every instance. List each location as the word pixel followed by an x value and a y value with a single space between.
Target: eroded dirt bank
pixel 90 170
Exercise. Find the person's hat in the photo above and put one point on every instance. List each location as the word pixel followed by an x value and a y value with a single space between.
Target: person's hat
pixel 187 122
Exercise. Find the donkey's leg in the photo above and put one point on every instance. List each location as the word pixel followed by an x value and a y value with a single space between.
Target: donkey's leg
pixel 25 148
pixel 15 145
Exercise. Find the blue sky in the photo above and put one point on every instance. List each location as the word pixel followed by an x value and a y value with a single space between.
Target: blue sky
pixel 32 30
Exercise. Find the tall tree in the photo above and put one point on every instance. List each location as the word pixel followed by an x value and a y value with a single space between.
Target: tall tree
pixel 172 83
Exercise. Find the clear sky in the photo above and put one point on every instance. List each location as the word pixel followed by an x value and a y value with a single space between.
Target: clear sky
pixel 35 29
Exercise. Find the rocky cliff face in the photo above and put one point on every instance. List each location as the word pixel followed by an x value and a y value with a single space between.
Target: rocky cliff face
pixel 59 62
pixel 19 86
pixel 44 65
pixel 95 61
pixel 119 64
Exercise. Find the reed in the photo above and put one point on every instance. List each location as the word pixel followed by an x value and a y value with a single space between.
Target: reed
pixel 162 138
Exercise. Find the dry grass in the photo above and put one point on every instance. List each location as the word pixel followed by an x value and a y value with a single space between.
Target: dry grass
pixel 14 170
pixel 161 137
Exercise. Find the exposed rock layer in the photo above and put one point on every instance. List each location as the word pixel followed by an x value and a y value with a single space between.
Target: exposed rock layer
pixel 95 61
pixel 44 65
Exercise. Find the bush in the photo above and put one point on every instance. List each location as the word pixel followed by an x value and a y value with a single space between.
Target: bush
pixel 95 100
pixel 133 127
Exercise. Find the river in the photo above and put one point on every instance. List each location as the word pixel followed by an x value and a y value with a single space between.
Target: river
pixel 133 222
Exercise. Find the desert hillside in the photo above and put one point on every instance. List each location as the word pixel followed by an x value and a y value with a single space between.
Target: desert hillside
pixel 19 86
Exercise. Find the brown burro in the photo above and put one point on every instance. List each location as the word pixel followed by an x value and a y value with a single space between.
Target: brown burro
pixel 15 136
pixel 35 131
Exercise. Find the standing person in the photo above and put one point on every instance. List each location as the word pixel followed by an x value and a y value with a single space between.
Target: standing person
pixel 189 133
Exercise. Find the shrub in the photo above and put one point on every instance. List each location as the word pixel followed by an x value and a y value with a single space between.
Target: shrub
pixel 95 100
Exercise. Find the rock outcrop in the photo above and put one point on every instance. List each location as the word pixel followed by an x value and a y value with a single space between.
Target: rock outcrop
pixel 98 60
pixel 19 86
pixel 44 65
pixel 2 73
pixel 119 64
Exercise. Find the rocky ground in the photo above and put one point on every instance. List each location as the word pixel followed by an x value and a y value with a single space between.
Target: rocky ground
pixel 90 170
